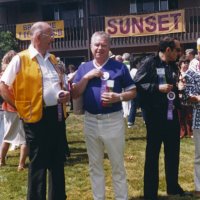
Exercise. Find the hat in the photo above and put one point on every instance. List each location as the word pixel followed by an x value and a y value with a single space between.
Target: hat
pixel 189 51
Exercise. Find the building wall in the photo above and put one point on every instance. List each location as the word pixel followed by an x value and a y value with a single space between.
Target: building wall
pixel 188 3
pixel 3 15
pixel 28 12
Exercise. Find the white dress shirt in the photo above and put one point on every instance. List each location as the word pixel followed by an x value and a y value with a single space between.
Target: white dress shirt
pixel 50 78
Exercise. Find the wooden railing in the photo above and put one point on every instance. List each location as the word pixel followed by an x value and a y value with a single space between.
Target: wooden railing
pixel 77 33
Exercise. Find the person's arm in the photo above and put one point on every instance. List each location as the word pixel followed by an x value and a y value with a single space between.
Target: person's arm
pixel 145 75
pixel 113 97
pixel 194 99
pixel 79 88
pixel 8 78
pixel 6 94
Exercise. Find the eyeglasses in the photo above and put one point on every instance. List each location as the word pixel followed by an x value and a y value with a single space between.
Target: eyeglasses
pixel 49 35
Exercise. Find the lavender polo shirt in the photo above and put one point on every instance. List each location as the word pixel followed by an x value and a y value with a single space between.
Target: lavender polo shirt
pixel 92 95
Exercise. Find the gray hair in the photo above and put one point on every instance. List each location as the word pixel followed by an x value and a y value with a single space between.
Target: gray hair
pixel 101 34
pixel 126 56
pixel 38 27
pixel 190 51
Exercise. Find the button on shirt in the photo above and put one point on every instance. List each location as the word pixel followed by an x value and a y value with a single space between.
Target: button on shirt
pixel 50 78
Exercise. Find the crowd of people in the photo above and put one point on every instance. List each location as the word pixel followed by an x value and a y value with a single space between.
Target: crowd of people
pixel 166 86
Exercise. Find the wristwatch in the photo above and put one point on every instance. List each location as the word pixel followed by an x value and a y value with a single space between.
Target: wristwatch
pixel 121 97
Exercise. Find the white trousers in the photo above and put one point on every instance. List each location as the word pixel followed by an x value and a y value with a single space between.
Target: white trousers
pixel 196 134
pixel 106 131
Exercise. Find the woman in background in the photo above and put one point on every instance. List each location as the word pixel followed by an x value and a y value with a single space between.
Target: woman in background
pixel 13 129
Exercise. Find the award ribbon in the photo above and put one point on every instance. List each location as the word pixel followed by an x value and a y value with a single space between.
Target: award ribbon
pixel 60 106
pixel 170 96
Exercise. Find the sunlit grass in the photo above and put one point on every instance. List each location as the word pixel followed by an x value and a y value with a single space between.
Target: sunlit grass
pixel 13 184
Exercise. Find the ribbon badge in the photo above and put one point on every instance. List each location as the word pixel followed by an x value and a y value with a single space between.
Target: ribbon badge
pixel 106 76
pixel 170 96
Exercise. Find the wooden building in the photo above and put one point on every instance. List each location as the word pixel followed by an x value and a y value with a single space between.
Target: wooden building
pixel 84 17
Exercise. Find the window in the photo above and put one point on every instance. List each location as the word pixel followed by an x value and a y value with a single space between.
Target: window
pixel 71 13
pixel 148 6
pixel 137 6
pixel 56 14
pixel 133 6
pixel 28 7
pixel 163 5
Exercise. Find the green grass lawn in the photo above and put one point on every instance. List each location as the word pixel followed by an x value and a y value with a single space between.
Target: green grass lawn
pixel 13 184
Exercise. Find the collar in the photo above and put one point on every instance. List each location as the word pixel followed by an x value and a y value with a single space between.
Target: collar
pixel 33 53
pixel 99 67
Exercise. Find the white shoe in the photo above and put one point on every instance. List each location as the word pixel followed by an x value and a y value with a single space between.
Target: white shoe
pixel 130 125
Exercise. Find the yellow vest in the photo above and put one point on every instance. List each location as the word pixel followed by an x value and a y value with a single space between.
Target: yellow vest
pixel 28 88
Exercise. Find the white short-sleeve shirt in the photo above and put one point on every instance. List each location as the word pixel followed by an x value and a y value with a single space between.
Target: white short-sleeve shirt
pixel 50 78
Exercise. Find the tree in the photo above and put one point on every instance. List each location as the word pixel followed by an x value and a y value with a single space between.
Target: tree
pixel 7 43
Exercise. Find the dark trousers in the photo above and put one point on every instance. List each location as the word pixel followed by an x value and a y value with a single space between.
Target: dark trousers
pixel 160 130
pixel 47 142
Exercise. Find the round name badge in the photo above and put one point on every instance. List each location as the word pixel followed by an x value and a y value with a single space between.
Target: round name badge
pixel 171 96
pixel 105 76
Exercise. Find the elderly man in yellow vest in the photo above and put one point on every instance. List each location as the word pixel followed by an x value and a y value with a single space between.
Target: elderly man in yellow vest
pixel 39 96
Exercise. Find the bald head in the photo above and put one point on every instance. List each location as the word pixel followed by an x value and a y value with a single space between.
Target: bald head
pixel 41 36
pixel 39 27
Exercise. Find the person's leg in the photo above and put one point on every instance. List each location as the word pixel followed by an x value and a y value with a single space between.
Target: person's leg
pixel 132 113
pixel 36 183
pixel 67 150
pixel 56 182
pixel 55 155
pixel 95 150
pixel 3 153
pixel 188 119
pixel 143 115
pixel 196 133
pixel 172 150
pixel 151 168
pixel 23 155
pixel 114 141
pixel 37 166
pixel 10 125
pixel 182 121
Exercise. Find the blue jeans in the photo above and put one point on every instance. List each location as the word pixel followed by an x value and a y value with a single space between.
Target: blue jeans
pixel 132 113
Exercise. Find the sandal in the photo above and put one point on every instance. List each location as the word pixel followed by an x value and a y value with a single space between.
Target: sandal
pixel 2 163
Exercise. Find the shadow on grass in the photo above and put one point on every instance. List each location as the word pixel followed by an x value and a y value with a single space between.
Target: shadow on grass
pixel 76 142
pixel 78 155
pixel 136 138
pixel 165 198
pixel 77 159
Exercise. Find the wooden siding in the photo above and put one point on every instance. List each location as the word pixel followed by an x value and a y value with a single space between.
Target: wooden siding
pixel 76 37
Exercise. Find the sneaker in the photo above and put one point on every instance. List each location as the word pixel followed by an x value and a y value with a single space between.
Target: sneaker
pixel 130 125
